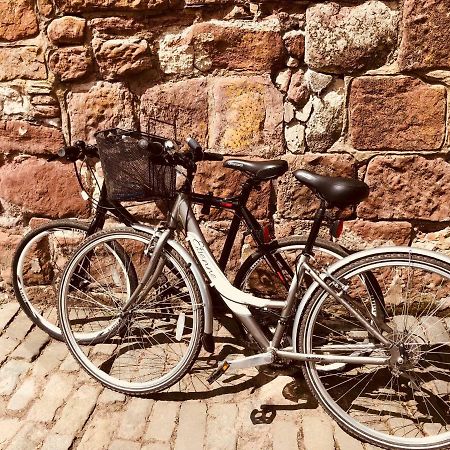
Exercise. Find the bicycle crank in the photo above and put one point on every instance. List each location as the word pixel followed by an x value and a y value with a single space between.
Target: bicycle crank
pixel 260 359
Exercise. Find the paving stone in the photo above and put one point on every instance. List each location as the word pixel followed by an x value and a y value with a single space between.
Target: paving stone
pixel 24 395
pixel 7 312
pixel 120 444
pixel 221 432
pixel 132 424
pixel 77 410
pixel 7 345
pixel 31 346
pixel 344 441
pixel 97 434
pixel 162 421
pixel 156 446
pixel 434 329
pixel 317 433
pixel 10 374
pixel 8 428
pixel 191 426
pixel 285 435
pixel 29 437
pixel 19 328
pixel 69 364
pixel 50 360
pixel 58 388
pixel 108 397
pixel 57 442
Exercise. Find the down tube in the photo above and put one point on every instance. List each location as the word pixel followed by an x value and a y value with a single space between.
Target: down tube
pixel 235 299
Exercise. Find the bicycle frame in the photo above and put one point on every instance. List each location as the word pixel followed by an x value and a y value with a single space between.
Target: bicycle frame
pixel 239 301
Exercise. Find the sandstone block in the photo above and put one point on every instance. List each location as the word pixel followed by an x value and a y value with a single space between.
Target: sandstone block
pixel 343 39
pixel 9 240
pixel 436 241
pixel 295 44
pixel 327 119
pixel 27 137
pixel 45 7
pixel 7 313
pixel 226 183
pixel 134 419
pixel 222 45
pixel 425 43
pixel 246 117
pixel 221 426
pixel 185 102
pixel 14 102
pixel 67 30
pixel 192 426
pixel 361 234
pixel 77 6
pixel 294 134
pixel 409 187
pixel 162 422
pixel 71 63
pixel 398 113
pixel 104 105
pixel 17 20
pixel 22 62
pixel 10 374
pixel 23 396
pixel 298 90
pixel 295 201
pixel 43 188
pixel 120 57
pixel 317 433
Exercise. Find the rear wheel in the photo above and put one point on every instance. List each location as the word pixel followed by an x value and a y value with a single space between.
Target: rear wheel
pixel 404 404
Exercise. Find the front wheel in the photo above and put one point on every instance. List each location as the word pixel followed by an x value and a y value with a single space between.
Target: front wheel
pixel 147 347
pixel 405 403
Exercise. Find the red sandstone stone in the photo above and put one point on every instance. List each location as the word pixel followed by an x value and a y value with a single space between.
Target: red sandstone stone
pixel 298 90
pixel 295 201
pixel 17 20
pixel 185 102
pixel 425 43
pixel 226 183
pixel 22 62
pixel 42 188
pixel 67 30
pixel 70 63
pixel 26 137
pixel 120 57
pixel 295 44
pixel 361 234
pixel 398 113
pixel 72 6
pixel 246 117
pixel 409 187
pixel 104 105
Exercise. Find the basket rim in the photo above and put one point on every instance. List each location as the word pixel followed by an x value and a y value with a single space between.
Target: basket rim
pixel 121 131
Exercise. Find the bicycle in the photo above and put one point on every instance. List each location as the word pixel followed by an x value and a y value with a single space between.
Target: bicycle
pixel 391 387
pixel 42 253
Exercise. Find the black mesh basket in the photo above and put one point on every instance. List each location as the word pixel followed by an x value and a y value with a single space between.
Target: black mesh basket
pixel 133 167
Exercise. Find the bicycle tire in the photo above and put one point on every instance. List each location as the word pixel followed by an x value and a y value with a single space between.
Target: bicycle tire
pixel 47 320
pixel 173 307
pixel 388 414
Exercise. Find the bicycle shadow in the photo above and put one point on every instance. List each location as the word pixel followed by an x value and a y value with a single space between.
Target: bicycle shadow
pixel 270 389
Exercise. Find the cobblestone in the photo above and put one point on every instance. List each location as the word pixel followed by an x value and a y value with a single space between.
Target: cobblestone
pixel 19 327
pixel 192 425
pixel 7 312
pixel 49 408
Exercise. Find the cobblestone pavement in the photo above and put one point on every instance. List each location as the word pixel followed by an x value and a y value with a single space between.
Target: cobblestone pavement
pixel 49 403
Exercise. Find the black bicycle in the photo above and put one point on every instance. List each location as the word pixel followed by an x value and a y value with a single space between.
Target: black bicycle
pixel 41 255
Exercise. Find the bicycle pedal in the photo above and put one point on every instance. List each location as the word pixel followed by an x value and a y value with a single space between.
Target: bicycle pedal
pixel 223 367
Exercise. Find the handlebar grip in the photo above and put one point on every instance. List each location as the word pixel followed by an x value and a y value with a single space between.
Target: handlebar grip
pixel 208 156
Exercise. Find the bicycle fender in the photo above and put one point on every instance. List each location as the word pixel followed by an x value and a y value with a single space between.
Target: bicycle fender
pixel 349 259
pixel 189 259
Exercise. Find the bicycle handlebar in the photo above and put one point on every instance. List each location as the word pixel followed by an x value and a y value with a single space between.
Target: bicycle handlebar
pixel 77 151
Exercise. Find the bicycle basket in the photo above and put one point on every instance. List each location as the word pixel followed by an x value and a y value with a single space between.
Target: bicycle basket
pixel 134 172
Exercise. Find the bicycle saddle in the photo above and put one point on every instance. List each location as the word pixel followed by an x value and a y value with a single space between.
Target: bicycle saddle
pixel 261 170
pixel 337 191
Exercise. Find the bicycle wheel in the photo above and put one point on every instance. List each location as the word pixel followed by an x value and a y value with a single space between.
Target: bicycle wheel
pixel 37 266
pixel 151 345
pixel 258 277
pixel 404 404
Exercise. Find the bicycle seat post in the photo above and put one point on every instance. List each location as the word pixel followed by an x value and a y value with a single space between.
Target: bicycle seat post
pixel 315 228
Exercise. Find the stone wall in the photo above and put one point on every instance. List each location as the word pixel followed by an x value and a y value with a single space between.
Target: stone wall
pixel 354 89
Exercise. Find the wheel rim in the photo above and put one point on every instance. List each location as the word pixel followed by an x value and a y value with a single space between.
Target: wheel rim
pixel 137 363
pixel 41 318
pixel 401 404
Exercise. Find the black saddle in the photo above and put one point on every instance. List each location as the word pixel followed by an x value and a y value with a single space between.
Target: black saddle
pixel 336 191
pixel 261 170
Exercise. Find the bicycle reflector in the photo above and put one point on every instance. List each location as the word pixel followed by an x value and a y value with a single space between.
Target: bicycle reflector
pixel 336 228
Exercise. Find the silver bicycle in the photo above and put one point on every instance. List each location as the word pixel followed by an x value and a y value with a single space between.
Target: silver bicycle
pixel 371 331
